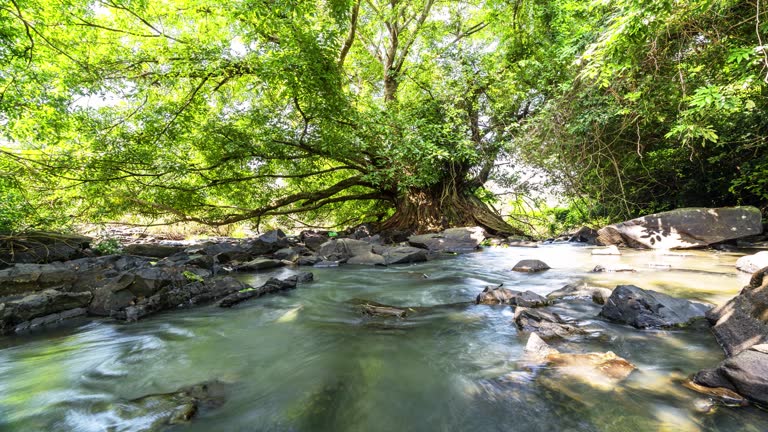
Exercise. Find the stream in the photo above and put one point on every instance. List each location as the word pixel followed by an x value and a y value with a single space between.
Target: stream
pixel 307 360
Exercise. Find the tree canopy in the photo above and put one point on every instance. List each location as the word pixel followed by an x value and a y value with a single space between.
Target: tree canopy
pixel 393 112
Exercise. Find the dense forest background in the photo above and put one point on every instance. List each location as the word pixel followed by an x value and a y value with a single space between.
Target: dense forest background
pixel 411 115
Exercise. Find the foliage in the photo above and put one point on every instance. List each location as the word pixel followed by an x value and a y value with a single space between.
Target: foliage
pixel 108 246
pixel 192 276
pixel 341 112
pixel 196 111
pixel 664 108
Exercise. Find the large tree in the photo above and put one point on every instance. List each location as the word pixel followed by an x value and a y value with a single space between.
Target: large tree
pixel 381 111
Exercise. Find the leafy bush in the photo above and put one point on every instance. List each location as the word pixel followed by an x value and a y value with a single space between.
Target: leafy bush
pixel 108 246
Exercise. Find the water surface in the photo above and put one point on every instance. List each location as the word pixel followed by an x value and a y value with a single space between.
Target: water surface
pixel 307 360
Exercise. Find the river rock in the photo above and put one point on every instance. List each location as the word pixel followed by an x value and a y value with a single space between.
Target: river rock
pixel 684 228
pixel 596 294
pixel 612 268
pixel 601 369
pixel 172 297
pixel 367 258
pixel 753 263
pixel 401 254
pixel 308 260
pixel 610 250
pixel 270 286
pixel 584 235
pixel 305 277
pixel 547 324
pixel 457 240
pixel 641 308
pixel 152 250
pixel 168 409
pixel 746 373
pixel 382 311
pixel 313 239
pixel 743 320
pixel 47 302
pixel 267 243
pixel 291 254
pixel 501 295
pixel 343 249
pixel 41 247
pixel 136 287
pixel 530 266
pixel 260 264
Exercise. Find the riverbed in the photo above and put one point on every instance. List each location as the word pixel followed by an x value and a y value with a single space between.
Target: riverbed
pixel 308 360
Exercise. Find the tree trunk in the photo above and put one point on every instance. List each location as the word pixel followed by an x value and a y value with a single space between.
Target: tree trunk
pixel 445 206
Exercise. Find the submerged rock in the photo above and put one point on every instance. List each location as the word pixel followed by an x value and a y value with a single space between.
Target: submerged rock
pixel 684 228
pixel 610 250
pixel 615 268
pixel 641 308
pixel 167 409
pixel 458 240
pixel 383 311
pixel 599 369
pixel 547 325
pixel 722 394
pixel 530 266
pixel 596 294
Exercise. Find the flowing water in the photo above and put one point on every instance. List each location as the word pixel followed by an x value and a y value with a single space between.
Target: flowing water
pixel 307 360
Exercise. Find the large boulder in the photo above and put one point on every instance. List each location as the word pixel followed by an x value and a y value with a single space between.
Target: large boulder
pixel 743 320
pixel 401 254
pixel 41 247
pixel 752 263
pixel 641 308
pixel 684 228
pixel 343 249
pixel 745 373
pixel 458 240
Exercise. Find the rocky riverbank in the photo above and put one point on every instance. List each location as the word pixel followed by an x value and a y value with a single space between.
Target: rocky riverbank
pixel 40 288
